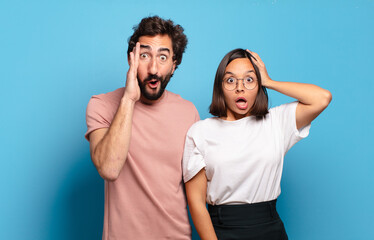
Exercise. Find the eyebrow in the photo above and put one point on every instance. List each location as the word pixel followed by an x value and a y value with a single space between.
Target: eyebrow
pixel 145 46
pixel 159 50
pixel 164 49
pixel 234 74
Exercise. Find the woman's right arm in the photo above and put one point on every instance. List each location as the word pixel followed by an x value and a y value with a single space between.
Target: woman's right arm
pixel 196 196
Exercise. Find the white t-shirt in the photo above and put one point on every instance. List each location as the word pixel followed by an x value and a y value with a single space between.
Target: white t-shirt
pixel 243 159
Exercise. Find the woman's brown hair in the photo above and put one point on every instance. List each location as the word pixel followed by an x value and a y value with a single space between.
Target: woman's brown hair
pixel 218 107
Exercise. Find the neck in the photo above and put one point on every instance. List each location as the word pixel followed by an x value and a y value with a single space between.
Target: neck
pixel 232 116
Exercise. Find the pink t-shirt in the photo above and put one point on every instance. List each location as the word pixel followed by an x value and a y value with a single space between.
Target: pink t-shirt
pixel 147 201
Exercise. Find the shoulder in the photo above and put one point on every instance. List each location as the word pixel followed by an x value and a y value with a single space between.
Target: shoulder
pixel 106 103
pixel 201 126
pixel 284 107
pixel 110 97
pixel 181 105
pixel 176 98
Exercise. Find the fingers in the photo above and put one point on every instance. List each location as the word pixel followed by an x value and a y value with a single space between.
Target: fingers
pixel 136 53
pixel 260 64
pixel 131 60
pixel 251 54
pixel 132 90
pixel 134 57
pixel 256 57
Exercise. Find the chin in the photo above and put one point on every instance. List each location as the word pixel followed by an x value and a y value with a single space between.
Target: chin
pixel 152 94
pixel 242 111
pixel 246 114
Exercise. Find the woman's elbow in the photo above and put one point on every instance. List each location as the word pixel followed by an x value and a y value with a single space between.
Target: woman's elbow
pixel 196 207
pixel 325 99
pixel 195 201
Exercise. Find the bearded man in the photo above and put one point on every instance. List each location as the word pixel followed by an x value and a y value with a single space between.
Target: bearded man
pixel 137 135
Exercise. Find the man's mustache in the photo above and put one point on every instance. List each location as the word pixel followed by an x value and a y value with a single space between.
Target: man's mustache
pixel 152 77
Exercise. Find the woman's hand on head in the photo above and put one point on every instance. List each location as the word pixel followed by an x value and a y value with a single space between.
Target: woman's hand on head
pixel 265 79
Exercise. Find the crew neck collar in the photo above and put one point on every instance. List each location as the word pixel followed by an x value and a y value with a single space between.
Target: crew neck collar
pixel 235 121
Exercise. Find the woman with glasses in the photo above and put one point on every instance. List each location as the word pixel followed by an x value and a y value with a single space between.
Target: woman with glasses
pixel 234 161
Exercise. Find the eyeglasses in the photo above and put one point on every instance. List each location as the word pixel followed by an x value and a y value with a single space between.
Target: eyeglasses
pixel 231 83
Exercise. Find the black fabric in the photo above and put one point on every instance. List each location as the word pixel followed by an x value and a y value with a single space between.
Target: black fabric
pixel 258 221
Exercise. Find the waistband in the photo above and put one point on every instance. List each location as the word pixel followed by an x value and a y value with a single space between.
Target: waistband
pixel 243 214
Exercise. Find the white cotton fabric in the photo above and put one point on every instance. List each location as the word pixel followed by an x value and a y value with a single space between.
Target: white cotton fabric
pixel 243 159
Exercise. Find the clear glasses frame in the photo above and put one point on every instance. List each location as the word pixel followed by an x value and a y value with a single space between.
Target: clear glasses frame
pixel 231 83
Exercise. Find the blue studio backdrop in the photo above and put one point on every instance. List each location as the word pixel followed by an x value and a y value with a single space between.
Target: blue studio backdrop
pixel 56 54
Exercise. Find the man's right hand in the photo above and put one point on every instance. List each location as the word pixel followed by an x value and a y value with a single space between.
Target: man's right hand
pixel 109 147
pixel 132 91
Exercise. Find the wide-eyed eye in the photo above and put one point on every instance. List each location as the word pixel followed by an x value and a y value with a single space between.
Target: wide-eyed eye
pixel 230 80
pixel 248 80
pixel 163 58
pixel 144 56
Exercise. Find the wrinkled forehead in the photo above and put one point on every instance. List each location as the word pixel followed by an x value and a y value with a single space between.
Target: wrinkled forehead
pixel 156 43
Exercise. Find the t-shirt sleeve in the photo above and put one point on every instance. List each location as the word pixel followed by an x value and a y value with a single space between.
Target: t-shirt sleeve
pixel 197 116
pixel 97 115
pixel 193 159
pixel 285 115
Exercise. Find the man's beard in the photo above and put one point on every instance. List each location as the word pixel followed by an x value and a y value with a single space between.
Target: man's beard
pixel 163 83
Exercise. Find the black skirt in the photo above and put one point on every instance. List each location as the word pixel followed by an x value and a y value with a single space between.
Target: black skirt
pixel 257 221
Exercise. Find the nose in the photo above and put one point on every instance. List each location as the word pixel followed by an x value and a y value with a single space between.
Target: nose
pixel 153 67
pixel 239 85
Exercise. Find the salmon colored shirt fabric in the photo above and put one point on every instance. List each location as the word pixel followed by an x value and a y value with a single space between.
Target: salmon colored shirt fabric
pixel 147 201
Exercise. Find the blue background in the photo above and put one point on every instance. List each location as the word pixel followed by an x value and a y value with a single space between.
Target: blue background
pixel 56 54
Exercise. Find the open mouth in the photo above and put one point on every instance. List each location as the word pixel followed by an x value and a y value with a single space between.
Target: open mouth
pixel 241 103
pixel 153 83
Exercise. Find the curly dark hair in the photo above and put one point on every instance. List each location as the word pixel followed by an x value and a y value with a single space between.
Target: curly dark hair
pixel 152 26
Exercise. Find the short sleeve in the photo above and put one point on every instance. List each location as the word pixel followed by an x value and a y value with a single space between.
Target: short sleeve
pixel 193 159
pixel 97 115
pixel 285 115
pixel 197 116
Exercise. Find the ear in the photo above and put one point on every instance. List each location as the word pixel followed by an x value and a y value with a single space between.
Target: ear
pixel 174 65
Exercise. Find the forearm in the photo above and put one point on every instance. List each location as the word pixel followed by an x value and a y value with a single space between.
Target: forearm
pixel 313 99
pixel 202 221
pixel 307 94
pixel 110 153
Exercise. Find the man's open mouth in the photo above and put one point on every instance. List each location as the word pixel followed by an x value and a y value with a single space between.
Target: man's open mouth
pixel 153 83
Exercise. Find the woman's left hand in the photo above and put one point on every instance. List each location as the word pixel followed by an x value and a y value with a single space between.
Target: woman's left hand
pixel 265 79
pixel 312 99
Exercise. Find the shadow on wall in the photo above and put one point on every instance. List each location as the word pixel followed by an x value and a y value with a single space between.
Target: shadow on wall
pixel 78 208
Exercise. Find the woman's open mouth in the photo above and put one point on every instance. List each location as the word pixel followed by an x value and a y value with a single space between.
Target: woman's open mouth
pixel 241 103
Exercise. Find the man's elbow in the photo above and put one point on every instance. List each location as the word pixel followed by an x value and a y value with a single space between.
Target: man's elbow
pixel 107 172
pixel 109 175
